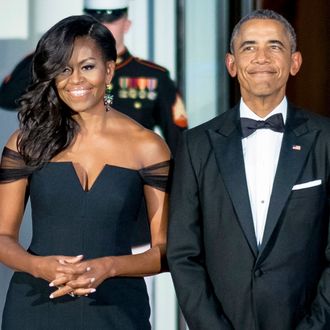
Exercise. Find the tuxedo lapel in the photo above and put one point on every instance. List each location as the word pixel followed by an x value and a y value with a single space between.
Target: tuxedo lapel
pixel 296 145
pixel 227 145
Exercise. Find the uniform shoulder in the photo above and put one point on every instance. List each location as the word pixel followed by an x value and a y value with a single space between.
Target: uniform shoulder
pixel 151 65
pixel 25 62
pixel 28 57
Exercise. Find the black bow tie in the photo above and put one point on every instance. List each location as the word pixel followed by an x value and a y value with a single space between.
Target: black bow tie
pixel 274 122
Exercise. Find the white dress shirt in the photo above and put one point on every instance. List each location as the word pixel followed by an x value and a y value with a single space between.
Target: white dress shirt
pixel 261 151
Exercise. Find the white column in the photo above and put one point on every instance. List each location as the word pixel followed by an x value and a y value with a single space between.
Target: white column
pixel 201 61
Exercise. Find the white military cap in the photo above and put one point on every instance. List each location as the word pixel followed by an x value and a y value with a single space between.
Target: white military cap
pixel 105 4
pixel 106 10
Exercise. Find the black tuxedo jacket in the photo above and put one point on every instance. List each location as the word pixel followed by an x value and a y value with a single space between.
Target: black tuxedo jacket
pixel 222 279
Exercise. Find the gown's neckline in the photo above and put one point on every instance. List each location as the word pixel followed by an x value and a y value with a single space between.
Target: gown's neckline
pixel 13 167
pixel 81 180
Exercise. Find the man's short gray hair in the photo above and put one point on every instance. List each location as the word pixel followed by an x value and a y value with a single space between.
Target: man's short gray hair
pixel 265 14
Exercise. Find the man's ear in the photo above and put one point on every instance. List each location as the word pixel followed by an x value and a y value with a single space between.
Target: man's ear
pixel 231 65
pixel 296 61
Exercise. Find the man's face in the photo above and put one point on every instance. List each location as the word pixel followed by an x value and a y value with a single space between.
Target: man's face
pixel 262 59
pixel 119 28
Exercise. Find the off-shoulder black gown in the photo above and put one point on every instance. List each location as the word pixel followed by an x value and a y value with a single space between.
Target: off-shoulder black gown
pixel 70 221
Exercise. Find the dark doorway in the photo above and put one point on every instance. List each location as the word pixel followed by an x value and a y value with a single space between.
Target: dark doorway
pixel 311 20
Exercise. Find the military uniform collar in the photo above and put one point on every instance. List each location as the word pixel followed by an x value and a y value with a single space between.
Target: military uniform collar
pixel 123 56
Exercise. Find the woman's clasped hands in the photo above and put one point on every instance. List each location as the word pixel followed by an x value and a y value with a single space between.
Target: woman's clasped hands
pixel 72 275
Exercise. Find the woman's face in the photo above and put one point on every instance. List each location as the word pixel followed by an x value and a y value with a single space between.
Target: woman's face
pixel 82 83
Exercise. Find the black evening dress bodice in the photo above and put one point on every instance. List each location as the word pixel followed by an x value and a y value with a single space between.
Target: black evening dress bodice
pixel 67 220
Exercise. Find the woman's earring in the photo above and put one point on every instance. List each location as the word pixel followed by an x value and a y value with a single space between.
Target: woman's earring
pixel 108 97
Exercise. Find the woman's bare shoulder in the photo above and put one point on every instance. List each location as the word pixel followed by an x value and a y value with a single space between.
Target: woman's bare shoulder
pixel 12 141
pixel 152 148
pixel 148 145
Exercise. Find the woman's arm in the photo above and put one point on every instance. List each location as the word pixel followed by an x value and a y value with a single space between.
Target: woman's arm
pixel 12 205
pixel 12 201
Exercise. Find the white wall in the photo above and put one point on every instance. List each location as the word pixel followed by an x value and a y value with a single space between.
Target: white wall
pixel 14 19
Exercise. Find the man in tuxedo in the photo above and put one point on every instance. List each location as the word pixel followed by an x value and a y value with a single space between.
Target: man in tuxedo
pixel 248 242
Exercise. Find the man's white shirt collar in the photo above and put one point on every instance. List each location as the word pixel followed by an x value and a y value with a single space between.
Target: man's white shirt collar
pixel 246 112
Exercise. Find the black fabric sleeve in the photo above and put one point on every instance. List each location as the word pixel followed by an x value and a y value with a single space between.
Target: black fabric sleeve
pixel 13 167
pixel 157 175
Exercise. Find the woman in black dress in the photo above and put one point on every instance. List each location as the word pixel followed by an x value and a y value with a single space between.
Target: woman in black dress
pixel 85 168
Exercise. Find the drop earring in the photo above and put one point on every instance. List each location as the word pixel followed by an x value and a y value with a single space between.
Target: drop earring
pixel 108 97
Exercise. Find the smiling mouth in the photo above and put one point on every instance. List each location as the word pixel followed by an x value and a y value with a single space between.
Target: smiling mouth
pixel 262 72
pixel 78 92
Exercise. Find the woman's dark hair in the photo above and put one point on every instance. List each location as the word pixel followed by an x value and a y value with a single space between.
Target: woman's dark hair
pixel 46 124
